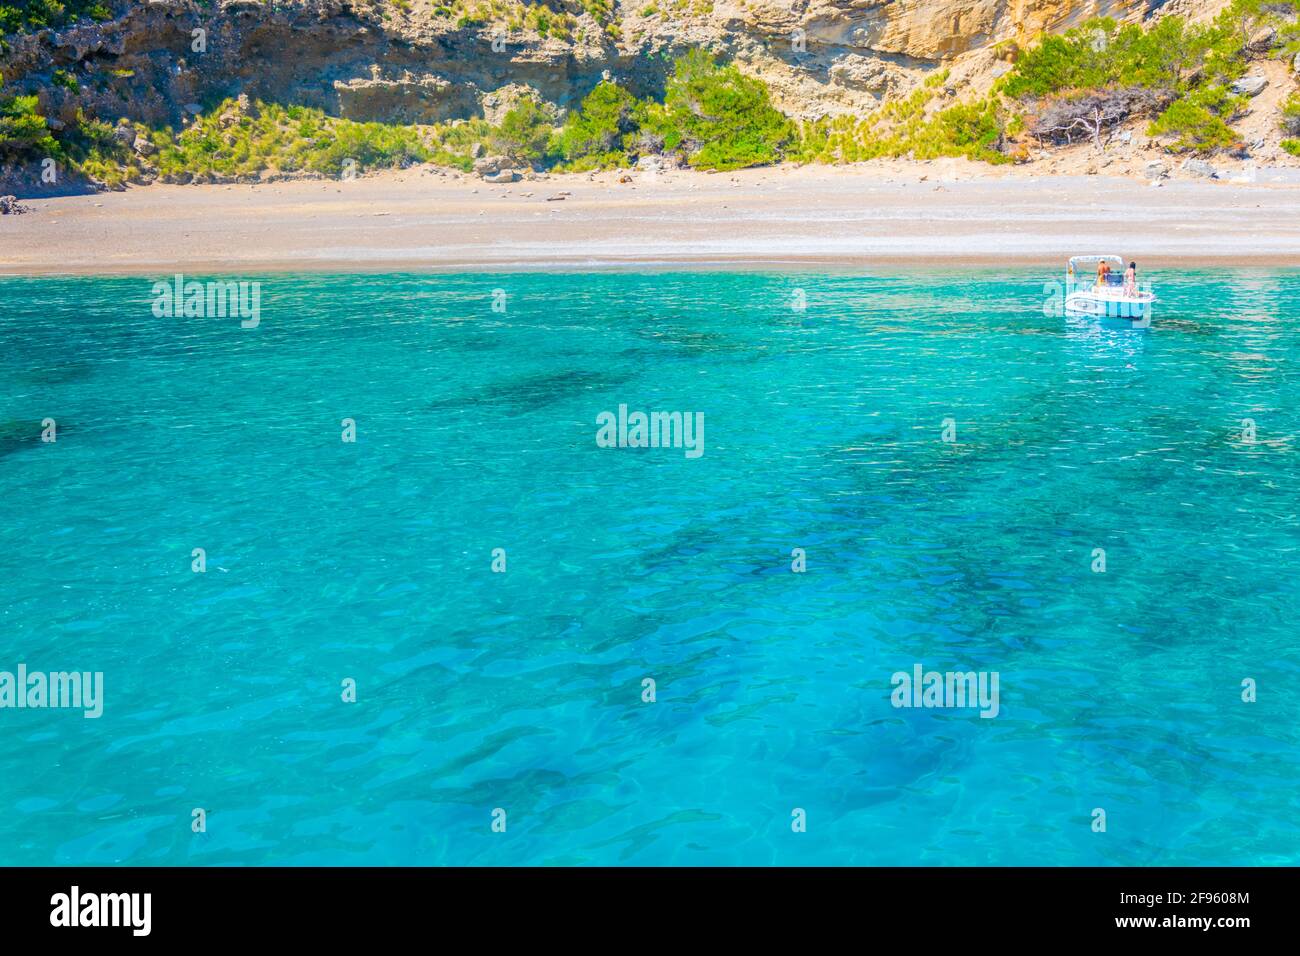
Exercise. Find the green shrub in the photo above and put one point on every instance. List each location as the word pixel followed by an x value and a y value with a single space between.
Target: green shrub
pixel 23 130
pixel 1172 55
pixel 974 130
pixel 1101 54
pixel 453 144
pixel 523 132
pixel 911 126
pixel 716 117
pixel 287 139
pixel 1291 124
pixel 1239 22
pixel 94 151
pixel 1197 126
pixel 1055 64
pixel 1189 67
pixel 1291 115
pixel 25 15
pixel 593 135
pixel 602 11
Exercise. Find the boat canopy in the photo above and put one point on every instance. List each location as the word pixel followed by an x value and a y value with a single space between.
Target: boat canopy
pixel 1077 261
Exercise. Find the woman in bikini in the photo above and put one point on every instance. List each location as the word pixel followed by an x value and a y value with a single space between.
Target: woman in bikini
pixel 1131 279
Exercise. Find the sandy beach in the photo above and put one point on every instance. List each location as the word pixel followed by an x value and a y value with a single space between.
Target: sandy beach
pixel 944 212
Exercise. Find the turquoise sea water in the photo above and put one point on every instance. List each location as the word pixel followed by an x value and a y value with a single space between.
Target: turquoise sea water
pixel 477 690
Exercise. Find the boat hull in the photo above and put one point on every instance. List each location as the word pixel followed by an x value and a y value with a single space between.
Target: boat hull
pixel 1132 308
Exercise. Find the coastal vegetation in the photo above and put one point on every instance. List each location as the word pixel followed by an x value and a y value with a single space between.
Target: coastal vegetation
pixel 1180 80
pixel 711 116
pixel 1180 76
pixel 599 133
pixel 22 127
pixel 714 117
pixel 524 132
pixel 18 16
pixel 917 126
pixel 234 142
pixel 546 18
pixel 1291 124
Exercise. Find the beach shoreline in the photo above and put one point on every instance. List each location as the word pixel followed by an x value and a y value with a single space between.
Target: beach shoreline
pixel 945 213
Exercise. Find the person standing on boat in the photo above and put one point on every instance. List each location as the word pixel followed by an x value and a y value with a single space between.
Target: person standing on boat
pixel 1103 270
pixel 1131 279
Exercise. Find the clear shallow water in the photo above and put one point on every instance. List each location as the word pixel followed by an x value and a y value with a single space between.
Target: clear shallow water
pixel 523 690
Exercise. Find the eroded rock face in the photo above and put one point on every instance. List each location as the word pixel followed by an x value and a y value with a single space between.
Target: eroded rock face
pixel 858 72
pixel 409 98
pixel 378 61
pixel 924 30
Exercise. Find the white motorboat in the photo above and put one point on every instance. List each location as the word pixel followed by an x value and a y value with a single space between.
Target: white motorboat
pixel 1087 293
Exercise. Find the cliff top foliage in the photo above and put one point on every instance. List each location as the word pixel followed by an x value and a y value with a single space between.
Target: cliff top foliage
pixel 557 18
pixel 547 18
pixel 20 16
pixel 1081 82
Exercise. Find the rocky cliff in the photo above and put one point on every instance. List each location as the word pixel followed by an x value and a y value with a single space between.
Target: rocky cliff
pixel 432 60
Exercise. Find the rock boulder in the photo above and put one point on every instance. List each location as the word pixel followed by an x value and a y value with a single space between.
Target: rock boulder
pixel 1249 85
pixel 1199 168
